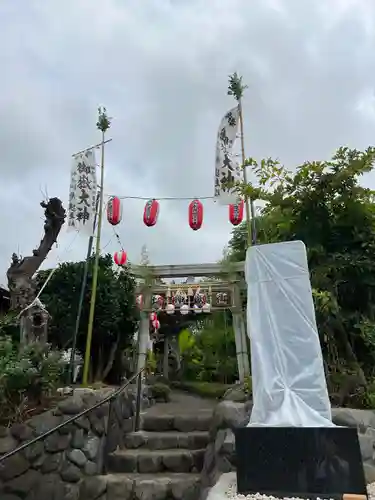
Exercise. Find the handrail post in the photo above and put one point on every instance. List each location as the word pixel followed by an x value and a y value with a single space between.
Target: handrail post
pixel 108 438
pixel 137 419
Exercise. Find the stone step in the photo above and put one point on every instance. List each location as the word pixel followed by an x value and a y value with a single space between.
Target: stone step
pixel 151 461
pixel 142 487
pixel 181 423
pixel 194 440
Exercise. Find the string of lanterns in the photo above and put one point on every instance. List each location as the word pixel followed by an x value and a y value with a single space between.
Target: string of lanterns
pixel 192 301
pixel 152 209
pixel 150 217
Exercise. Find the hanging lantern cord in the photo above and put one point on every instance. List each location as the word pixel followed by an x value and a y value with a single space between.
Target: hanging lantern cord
pixel 118 239
pixel 165 198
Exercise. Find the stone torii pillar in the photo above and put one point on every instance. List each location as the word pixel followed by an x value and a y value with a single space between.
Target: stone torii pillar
pixel 240 337
pixel 144 329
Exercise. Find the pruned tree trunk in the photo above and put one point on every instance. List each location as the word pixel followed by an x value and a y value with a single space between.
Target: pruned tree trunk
pixel 99 365
pixel 350 354
pixel 20 274
pixel 111 358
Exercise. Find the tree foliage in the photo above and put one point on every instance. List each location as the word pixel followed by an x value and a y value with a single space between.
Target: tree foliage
pixel 209 353
pixel 115 312
pixel 323 204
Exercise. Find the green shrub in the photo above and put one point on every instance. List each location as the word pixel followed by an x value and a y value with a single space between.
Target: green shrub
pixel 370 400
pixel 363 398
pixel 10 327
pixel 151 362
pixel 160 379
pixel 27 376
pixel 248 385
pixel 161 392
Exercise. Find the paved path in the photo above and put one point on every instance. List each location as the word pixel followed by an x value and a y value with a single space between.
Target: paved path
pixel 182 402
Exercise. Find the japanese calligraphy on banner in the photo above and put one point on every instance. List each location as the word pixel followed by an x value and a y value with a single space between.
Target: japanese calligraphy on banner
pixel 227 170
pixel 82 193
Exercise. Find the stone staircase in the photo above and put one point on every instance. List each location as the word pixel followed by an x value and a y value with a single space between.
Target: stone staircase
pixel 163 461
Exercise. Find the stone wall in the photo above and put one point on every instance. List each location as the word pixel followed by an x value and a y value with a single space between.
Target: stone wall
pixel 57 466
pixel 220 456
pixel 364 422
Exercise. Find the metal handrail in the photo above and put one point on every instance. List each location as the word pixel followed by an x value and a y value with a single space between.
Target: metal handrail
pixel 107 399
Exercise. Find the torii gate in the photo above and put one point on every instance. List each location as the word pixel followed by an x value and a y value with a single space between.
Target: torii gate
pixel 229 288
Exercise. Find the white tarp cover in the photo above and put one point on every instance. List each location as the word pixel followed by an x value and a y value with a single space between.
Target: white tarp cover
pixel 289 385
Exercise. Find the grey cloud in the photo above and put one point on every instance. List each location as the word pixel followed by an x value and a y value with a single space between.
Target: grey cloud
pixel 161 69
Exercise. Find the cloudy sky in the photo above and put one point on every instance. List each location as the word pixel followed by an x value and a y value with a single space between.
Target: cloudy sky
pixel 161 67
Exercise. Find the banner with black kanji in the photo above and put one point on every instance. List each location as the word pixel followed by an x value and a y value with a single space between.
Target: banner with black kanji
pixel 227 171
pixel 82 193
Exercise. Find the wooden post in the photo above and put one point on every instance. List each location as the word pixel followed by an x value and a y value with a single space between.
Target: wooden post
pixel 166 358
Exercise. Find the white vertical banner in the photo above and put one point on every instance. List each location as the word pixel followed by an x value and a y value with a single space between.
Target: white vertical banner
pixel 227 169
pixel 82 193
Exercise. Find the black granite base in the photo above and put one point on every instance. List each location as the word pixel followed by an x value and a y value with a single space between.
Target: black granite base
pixel 299 461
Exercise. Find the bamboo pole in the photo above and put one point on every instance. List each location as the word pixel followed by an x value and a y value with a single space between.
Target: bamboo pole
pixel 82 294
pixel 103 124
pixel 249 207
pixel 236 89
pixel 249 204
pixel 86 365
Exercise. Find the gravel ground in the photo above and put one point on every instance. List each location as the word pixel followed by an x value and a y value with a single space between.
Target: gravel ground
pixel 371 491
pixel 231 493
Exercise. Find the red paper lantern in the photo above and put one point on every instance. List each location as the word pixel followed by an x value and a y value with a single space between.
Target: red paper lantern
pixel 120 258
pixel 236 213
pixel 114 210
pixel 150 213
pixel 195 215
